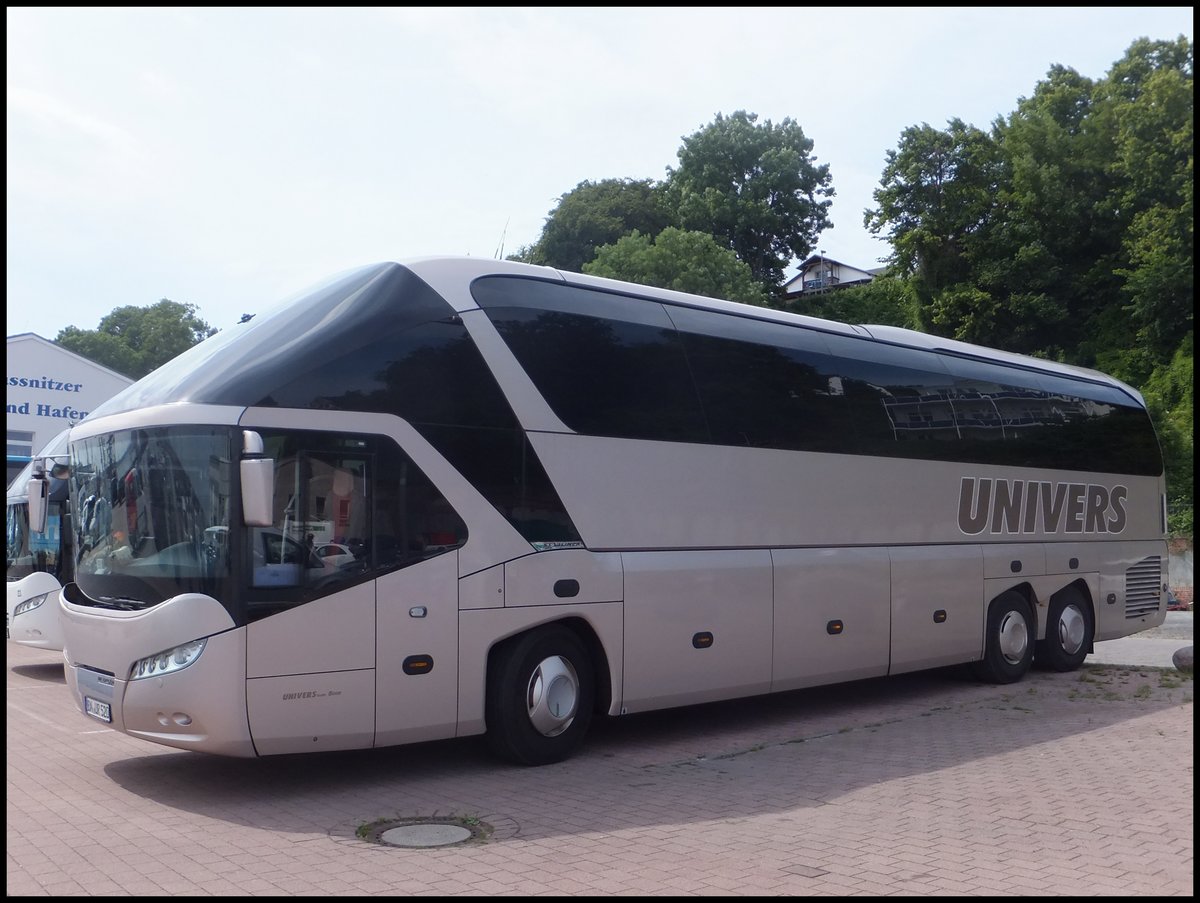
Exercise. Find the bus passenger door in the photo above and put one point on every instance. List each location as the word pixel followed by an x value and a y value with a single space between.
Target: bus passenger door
pixel 937 606
pixel 416 653
pixel 310 677
pixel 310 642
pixel 697 627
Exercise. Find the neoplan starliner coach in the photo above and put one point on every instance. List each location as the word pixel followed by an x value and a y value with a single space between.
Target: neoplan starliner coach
pixel 566 496
pixel 40 557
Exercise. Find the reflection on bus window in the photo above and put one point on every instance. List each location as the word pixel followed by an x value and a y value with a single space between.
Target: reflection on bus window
pixel 360 500
pixel 149 509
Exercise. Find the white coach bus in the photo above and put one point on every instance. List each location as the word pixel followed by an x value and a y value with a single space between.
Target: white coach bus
pixel 566 496
pixel 40 558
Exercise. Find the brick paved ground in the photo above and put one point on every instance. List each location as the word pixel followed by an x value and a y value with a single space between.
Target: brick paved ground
pixel 1063 784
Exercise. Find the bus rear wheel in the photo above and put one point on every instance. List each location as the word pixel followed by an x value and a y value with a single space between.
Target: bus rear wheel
pixel 1008 649
pixel 540 694
pixel 1070 627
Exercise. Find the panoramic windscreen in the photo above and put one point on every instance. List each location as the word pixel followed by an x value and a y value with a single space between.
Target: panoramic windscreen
pixel 152 514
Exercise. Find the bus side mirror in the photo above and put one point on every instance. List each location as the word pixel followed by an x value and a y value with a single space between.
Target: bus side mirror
pixel 258 482
pixel 39 494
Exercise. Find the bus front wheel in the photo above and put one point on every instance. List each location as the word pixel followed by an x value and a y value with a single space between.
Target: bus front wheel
pixel 540 694
pixel 1008 649
pixel 1069 630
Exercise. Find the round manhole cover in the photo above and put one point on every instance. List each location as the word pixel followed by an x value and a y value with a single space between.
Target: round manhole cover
pixel 434 831
pixel 424 835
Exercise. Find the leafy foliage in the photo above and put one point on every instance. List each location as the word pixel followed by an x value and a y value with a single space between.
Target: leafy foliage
pixel 1170 394
pixel 756 188
pixel 593 214
pixel 134 341
pixel 684 261
pixel 1150 95
pixel 884 301
pixel 936 204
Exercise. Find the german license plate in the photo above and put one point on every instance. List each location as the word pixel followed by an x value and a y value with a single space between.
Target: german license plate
pixel 98 709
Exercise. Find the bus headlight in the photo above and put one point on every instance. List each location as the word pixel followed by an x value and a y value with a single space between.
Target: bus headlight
pixel 167 661
pixel 29 604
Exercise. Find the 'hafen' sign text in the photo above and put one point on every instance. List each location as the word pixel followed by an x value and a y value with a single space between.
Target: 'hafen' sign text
pixel 51 409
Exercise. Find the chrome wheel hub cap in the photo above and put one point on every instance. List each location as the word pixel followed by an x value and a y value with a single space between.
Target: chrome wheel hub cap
pixel 552 695
pixel 1070 630
pixel 1014 638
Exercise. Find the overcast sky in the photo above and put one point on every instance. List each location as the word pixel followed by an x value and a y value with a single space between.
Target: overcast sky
pixel 228 158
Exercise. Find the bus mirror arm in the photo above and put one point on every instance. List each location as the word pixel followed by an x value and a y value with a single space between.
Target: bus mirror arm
pixel 258 482
pixel 39 493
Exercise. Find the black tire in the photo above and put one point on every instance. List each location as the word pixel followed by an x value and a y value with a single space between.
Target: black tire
pixel 1009 642
pixel 540 694
pixel 1070 628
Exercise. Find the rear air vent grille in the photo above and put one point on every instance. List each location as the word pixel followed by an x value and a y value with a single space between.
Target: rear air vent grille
pixel 1143 584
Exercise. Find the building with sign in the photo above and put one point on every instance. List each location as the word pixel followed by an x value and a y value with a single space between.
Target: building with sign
pixel 49 389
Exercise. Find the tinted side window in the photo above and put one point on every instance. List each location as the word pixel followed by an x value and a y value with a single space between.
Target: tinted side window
pixel 608 365
pixel 428 373
pixel 764 385
pixel 47 552
pixel 771 385
pixel 1047 420
pixel 503 466
pixel 362 493
pixel 898 398
pixel 432 375
pixel 381 340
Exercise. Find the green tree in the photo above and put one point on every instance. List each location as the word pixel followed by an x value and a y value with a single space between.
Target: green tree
pixel 1052 264
pixel 886 301
pixel 683 261
pixel 936 201
pixel 134 341
pixel 1095 232
pixel 1170 394
pixel 756 187
pixel 593 214
pixel 1150 104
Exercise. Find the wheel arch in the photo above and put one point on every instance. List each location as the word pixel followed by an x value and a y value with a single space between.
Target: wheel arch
pixel 1008 646
pixel 1026 591
pixel 587 634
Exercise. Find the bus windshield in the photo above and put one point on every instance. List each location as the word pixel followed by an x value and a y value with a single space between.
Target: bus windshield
pixel 30 553
pixel 152 512
pixel 48 552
